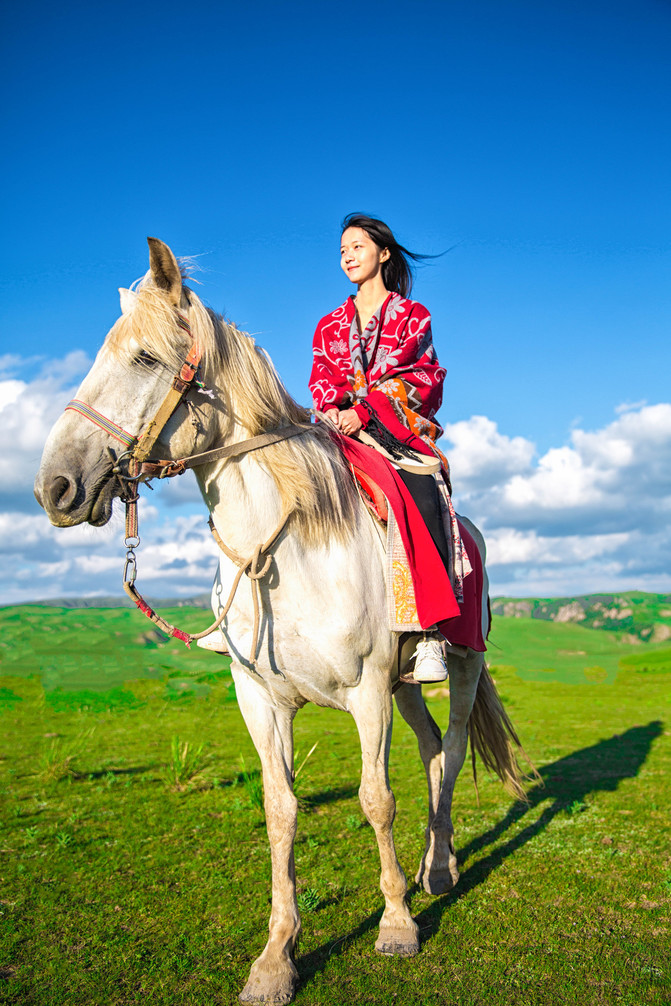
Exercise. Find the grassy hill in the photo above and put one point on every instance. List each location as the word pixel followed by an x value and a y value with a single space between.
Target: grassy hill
pixel 638 616
pixel 98 650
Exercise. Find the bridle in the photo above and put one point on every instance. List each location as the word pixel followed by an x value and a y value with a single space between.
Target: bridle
pixel 133 466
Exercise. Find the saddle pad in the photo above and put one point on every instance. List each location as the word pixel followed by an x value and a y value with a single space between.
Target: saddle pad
pixel 372 495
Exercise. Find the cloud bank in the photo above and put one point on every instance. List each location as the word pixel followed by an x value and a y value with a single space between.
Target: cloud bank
pixel 592 514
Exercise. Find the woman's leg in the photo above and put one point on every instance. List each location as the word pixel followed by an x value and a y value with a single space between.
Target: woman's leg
pixel 424 492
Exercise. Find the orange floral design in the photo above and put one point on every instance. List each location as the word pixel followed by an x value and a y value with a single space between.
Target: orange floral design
pixel 404 593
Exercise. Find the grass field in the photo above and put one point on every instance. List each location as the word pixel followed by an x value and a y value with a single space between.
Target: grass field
pixel 135 866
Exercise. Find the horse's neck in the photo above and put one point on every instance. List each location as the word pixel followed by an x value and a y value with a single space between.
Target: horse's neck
pixel 243 500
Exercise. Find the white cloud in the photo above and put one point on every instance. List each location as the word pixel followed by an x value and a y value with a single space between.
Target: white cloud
pixel 480 456
pixel 176 558
pixel 507 546
pixel 603 481
pixel 593 514
pixel 629 406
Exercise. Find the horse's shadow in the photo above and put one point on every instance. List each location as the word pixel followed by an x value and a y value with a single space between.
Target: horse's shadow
pixel 566 782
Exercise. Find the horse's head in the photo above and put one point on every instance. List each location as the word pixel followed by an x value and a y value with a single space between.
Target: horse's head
pixel 122 393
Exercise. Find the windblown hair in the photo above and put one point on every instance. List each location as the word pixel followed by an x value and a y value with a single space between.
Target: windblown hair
pixel 397 271
pixel 311 475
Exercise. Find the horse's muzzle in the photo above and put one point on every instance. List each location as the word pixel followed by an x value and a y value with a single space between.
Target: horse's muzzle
pixel 67 501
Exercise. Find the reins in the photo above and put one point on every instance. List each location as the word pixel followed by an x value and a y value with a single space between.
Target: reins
pixel 138 468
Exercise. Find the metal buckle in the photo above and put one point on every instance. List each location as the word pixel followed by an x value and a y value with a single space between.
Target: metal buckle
pixel 130 566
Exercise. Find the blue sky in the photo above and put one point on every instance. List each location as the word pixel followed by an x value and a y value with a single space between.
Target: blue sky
pixel 529 138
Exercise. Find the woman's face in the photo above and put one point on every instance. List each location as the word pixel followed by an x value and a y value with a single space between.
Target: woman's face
pixel 360 257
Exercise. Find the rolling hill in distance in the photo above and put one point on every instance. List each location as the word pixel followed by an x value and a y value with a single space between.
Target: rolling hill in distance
pixel 638 616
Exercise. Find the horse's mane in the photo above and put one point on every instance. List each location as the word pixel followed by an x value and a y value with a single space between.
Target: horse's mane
pixel 309 471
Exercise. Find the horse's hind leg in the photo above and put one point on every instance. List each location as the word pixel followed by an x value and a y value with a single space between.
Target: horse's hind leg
pixel 440 871
pixel 372 711
pixel 412 708
pixel 273 977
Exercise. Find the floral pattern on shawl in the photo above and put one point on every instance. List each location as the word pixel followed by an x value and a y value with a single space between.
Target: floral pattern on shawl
pixel 393 357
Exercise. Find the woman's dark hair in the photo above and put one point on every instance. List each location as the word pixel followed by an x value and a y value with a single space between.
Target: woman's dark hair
pixel 397 272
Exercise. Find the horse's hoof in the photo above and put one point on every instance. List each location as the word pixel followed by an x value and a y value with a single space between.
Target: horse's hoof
pixel 398 942
pixel 276 997
pixel 271 990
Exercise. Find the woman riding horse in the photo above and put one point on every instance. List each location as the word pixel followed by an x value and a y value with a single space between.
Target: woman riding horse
pixel 375 369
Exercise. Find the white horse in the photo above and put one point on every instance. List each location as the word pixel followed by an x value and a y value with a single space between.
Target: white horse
pixel 323 633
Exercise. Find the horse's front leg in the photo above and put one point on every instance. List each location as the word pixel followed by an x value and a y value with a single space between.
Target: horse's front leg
pixel 273 977
pixel 439 866
pixel 372 711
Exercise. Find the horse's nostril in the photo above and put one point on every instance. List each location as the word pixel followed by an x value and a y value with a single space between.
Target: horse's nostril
pixel 62 492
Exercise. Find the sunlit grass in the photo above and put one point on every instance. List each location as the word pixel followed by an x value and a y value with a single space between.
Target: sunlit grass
pixel 118 887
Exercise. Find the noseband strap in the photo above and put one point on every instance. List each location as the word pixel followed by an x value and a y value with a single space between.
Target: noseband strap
pixel 118 432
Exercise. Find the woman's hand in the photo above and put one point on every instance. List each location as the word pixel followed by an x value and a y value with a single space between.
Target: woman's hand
pixel 333 415
pixel 349 422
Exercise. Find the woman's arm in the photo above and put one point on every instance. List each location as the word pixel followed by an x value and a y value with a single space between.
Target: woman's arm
pixel 328 385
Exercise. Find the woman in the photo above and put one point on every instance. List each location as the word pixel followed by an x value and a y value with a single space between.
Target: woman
pixel 375 368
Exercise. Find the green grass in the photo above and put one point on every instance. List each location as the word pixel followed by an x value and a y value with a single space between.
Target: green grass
pixel 561 652
pixel 118 888
pixel 98 650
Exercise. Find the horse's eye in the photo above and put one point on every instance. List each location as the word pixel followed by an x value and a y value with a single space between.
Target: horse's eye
pixel 145 358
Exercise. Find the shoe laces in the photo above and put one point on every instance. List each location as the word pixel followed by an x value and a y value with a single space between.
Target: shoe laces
pixel 429 648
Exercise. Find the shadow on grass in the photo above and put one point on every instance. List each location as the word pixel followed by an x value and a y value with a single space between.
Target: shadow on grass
pixel 599 768
pixel 105 773
pixel 311 800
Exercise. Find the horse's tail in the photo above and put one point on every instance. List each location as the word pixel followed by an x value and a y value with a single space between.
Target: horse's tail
pixel 494 737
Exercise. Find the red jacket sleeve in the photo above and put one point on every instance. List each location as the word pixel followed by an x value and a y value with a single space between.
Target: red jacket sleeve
pixel 328 384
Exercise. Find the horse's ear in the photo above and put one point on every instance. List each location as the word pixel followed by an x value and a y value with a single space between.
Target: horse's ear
pixel 165 270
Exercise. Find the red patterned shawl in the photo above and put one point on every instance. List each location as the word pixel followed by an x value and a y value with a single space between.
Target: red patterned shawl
pixel 392 366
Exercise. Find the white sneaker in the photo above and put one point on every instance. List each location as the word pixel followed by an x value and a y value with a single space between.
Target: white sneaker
pixel 429 660
pixel 215 641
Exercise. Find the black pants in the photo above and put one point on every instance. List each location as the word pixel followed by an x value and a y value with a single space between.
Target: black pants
pixel 424 491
